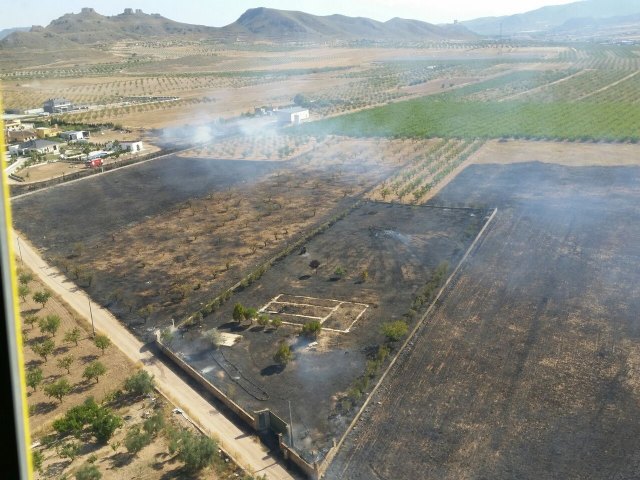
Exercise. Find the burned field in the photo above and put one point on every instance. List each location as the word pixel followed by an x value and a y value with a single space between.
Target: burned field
pixel 399 246
pixel 159 253
pixel 155 241
pixel 109 203
pixel 528 367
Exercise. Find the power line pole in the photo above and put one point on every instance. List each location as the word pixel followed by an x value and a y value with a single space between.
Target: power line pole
pixel 92 325
pixel 19 249
pixel 290 425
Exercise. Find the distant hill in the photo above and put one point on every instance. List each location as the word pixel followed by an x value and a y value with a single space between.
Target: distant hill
pixel 627 26
pixel 8 31
pixel 268 23
pixel 547 18
pixel 259 24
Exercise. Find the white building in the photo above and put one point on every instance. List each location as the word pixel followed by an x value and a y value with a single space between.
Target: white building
pixel 293 115
pixel 134 146
pixel 39 146
pixel 74 136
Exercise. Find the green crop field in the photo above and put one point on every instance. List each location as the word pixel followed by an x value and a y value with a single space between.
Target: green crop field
pixel 433 117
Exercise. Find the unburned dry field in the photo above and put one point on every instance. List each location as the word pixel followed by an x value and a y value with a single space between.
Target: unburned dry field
pixel 528 368
pixel 399 246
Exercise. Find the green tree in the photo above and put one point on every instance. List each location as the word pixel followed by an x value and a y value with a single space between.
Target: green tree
pixel 136 440
pixel 94 370
pixel 77 417
pixel 105 424
pixel 34 377
pixel 394 331
pixel 42 297
pixel 263 320
pixel 50 324
pixel 66 362
pixel 139 383
pixel 31 319
pixel 283 355
pixel 238 312
pixel 276 322
pixel 58 389
pixel 44 348
pixel 73 335
pixel 23 291
pixel 88 472
pixel 102 342
pixel 312 329
pixel 250 314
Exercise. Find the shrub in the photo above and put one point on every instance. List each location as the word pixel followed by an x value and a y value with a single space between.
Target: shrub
pixel 394 331
pixel 283 355
pixel 154 423
pixel 88 472
pixel 136 440
pixel 77 417
pixel 37 458
pixel 312 329
pixel 196 451
pixel 214 337
pixel 139 383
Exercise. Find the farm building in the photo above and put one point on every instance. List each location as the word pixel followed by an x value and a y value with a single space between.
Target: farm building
pixel 72 136
pixel 39 146
pixel 16 124
pixel 293 115
pixel 134 146
pixel 44 132
pixel 20 136
pixel 57 105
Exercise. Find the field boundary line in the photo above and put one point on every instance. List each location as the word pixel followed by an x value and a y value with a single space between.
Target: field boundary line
pixel 607 87
pixel 306 305
pixel 546 85
pixel 453 174
pixel 419 324
pixel 339 303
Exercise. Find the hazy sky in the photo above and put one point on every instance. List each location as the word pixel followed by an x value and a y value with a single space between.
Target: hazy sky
pixel 24 13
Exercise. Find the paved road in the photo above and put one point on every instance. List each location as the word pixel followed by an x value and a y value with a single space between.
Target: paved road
pixel 247 452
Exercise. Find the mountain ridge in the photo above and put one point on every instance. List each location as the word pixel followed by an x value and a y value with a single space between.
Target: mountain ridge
pixel 257 24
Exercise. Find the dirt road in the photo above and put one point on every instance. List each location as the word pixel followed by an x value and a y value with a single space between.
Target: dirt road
pixel 247 452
